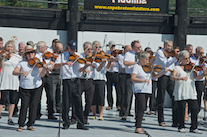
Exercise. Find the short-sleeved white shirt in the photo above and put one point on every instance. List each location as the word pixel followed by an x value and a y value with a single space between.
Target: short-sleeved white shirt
pixel 33 79
pixel 69 72
pixel 129 56
pixel 7 80
pixel 141 74
pixel 101 75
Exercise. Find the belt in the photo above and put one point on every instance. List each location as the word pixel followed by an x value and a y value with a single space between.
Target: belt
pixel 85 78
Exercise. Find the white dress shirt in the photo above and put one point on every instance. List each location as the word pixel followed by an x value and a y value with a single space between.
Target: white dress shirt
pixel 69 72
pixel 130 56
pixel 164 61
pixel 120 58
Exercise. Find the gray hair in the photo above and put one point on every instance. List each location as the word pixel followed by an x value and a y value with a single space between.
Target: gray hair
pixel 40 44
pixel 183 53
pixel 13 44
pixel 198 48
pixel 85 43
pixel 143 55
pixel 95 43
pixel 22 43
pixel 168 40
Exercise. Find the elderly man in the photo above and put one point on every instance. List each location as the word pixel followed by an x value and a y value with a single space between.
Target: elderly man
pixel 47 79
pixel 130 59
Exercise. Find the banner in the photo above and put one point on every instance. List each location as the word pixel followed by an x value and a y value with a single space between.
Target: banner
pixel 154 6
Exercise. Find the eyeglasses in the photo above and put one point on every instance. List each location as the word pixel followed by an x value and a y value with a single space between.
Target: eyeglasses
pixel 98 47
pixel 30 52
pixel 201 52
pixel 90 49
pixel 186 58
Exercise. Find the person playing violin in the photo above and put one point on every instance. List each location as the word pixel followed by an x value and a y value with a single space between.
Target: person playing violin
pixel 47 80
pixel 87 84
pixel 142 86
pixel 1 43
pixel 152 97
pixel 184 93
pixel 52 49
pixel 164 82
pixel 189 48
pixel 122 73
pixel 30 88
pixel 130 59
pixel 9 83
pixel 112 77
pixel 71 85
pixel 55 78
pixel 99 83
pixel 199 83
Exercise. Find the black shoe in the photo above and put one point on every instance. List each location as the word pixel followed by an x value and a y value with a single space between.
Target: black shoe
pixel 130 115
pixel 124 119
pixel 83 128
pixel 65 127
pixel 52 117
pixel 10 122
pixel 38 117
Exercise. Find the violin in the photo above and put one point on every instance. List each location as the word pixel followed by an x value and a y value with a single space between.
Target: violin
pixel 151 54
pixel 116 52
pixel 190 66
pixel 8 55
pixel 98 58
pixel 169 53
pixel 80 60
pixel 103 55
pixel 36 61
pixel 51 55
pixel 203 60
pixel 148 68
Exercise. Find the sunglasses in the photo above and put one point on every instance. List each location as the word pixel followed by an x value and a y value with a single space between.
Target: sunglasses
pixel 30 52
pixel 98 47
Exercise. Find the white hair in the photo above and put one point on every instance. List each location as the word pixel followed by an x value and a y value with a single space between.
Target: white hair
pixel 183 53
pixel 40 44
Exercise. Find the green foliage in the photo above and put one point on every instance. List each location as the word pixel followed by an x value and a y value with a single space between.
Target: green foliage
pixel 192 4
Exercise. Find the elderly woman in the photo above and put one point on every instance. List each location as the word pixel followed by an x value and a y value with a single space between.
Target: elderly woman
pixel 142 87
pixel 9 83
pixel 185 91
pixel 30 87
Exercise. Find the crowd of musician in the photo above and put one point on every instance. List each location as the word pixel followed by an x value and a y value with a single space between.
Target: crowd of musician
pixel 146 74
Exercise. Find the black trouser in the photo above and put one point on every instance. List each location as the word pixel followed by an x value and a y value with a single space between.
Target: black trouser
pixel 29 98
pixel 200 89
pixel 56 91
pixel 140 106
pixel 99 93
pixel 127 96
pixel 193 106
pixel 88 87
pixel 164 83
pixel 72 89
pixel 12 96
pixel 153 99
pixel 122 77
pixel 48 85
pixel 113 77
